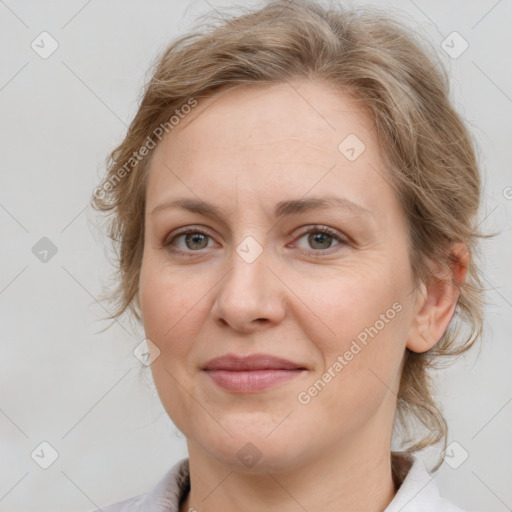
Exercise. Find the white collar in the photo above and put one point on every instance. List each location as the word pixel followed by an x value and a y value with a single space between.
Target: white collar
pixel 418 492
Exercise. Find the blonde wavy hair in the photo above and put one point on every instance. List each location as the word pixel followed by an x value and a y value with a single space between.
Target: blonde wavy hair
pixel 398 79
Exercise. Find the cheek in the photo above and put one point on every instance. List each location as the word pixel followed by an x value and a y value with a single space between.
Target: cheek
pixel 355 305
pixel 165 295
pixel 174 307
pixel 365 341
pixel 361 368
pixel 167 311
pixel 170 321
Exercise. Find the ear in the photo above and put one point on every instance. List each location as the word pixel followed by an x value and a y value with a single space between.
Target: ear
pixel 437 300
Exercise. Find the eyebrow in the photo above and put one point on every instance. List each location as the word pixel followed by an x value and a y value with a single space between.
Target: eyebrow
pixel 281 209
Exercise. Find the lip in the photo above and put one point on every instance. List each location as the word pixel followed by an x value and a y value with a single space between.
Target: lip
pixel 251 373
pixel 250 362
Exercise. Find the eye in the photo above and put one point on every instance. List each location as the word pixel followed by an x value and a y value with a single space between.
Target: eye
pixel 321 238
pixel 194 239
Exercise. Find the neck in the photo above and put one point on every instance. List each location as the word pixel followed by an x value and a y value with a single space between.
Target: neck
pixel 343 479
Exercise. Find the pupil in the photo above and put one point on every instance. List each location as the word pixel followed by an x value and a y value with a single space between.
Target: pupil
pixel 320 237
pixel 194 237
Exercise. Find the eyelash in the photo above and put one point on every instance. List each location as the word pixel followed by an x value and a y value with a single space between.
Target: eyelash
pixel 314 229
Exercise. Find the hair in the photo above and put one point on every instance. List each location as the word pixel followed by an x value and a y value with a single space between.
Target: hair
pixel 426 146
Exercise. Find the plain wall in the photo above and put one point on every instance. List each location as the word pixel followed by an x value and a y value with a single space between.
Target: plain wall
pixel 64 382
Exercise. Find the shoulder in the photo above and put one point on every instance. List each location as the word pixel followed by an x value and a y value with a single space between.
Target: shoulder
pixel 164 497
pixel 418 491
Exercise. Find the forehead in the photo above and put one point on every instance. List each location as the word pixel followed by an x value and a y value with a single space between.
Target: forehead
pixel 304 111
pixel 274 141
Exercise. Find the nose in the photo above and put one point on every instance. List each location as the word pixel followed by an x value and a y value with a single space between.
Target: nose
pixel 250 297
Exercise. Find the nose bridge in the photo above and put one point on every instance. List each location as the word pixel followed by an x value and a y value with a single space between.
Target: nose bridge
pixel 249 291
pixel 249 261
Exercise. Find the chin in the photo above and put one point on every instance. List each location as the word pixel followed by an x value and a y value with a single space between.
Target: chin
pixel 254 452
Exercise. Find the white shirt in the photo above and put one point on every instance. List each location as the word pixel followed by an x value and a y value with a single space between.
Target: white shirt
pixel 418 492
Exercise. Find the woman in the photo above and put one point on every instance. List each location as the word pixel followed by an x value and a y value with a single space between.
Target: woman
pixel 295 204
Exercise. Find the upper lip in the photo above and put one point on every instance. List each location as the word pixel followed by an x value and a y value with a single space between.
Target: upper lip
pixel 251 362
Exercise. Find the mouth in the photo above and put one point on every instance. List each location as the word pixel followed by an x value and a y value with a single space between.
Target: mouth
pixel 253 373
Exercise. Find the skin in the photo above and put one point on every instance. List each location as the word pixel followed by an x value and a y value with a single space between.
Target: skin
pixel 245 150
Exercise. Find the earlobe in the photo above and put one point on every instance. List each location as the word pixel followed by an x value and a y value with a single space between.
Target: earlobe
pixel 437 301
pixel 420 338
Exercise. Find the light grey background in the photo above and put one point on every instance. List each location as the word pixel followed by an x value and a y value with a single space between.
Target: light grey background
pixel 79 390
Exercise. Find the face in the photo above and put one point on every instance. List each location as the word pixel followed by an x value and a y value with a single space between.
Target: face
pixel 326 287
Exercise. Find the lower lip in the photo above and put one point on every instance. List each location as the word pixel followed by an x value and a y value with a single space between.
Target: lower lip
pixel 251 381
